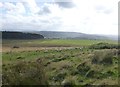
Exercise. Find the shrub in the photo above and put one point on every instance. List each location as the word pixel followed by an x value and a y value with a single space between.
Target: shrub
pixel 59 77
pixel 15 47
pixel 103 46
pixel 19 57
pixel 68 83
pixel 102 57
pixel 58 59
pixel 90 73
pixel 24 73
pixel 119 52
pixel 83 68
pixel 106 74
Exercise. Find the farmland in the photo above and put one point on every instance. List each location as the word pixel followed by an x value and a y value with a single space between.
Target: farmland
pixel 59 62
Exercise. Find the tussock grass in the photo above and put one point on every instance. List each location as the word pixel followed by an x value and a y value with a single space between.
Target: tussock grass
pixel 73 66
pixel 24 73
pixel 103 57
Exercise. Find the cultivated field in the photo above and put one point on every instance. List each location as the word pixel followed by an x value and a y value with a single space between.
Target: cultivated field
pixel 60 62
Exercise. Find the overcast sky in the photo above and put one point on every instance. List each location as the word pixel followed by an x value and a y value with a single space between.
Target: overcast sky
pixel 86 16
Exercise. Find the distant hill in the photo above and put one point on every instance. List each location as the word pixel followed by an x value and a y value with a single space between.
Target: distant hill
pixel 113 37
pixel 53 35
pixel 20 35
pixel 71 35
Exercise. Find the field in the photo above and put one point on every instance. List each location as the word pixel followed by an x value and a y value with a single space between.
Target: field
pixel 59 62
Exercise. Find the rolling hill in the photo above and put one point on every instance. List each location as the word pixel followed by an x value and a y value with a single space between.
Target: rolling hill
pixel 72 35
pixel 53 35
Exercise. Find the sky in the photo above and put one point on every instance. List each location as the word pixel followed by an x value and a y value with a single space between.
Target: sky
pixel 85 16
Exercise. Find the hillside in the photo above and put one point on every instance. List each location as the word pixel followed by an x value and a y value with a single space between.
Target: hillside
pixel 54 35
pixel 71 35
pixel 20 35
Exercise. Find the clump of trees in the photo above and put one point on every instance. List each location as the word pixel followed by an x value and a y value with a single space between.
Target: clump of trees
pixel 20 35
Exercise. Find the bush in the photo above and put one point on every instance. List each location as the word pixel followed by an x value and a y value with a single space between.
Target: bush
pixel 68 82
pixel 15 47
pixel 90 73
pixel 58 59
pixel 83 68
pixel 24 73
pixel 106 74
pixel 119 52
pixel 102 57
pixel 59 77
pixel 103 46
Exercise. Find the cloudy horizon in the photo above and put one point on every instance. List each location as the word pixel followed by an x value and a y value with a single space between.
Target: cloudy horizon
pixel 84 16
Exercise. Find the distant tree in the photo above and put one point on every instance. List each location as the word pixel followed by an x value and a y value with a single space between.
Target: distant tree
pixel 20 35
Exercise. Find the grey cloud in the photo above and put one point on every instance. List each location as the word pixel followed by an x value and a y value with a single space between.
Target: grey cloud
pixel 100 7
pixel 108 11
pixel 45 21
pixel 65 4
pixel 34 24
pixel 103 9
pixel 20 26
pixel 44 10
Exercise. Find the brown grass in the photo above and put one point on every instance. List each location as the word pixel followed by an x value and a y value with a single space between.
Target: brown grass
pixel 8 49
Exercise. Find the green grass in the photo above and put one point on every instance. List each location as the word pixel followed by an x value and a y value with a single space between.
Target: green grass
pixel 54 42
pixel 60 65
pixel 73 66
